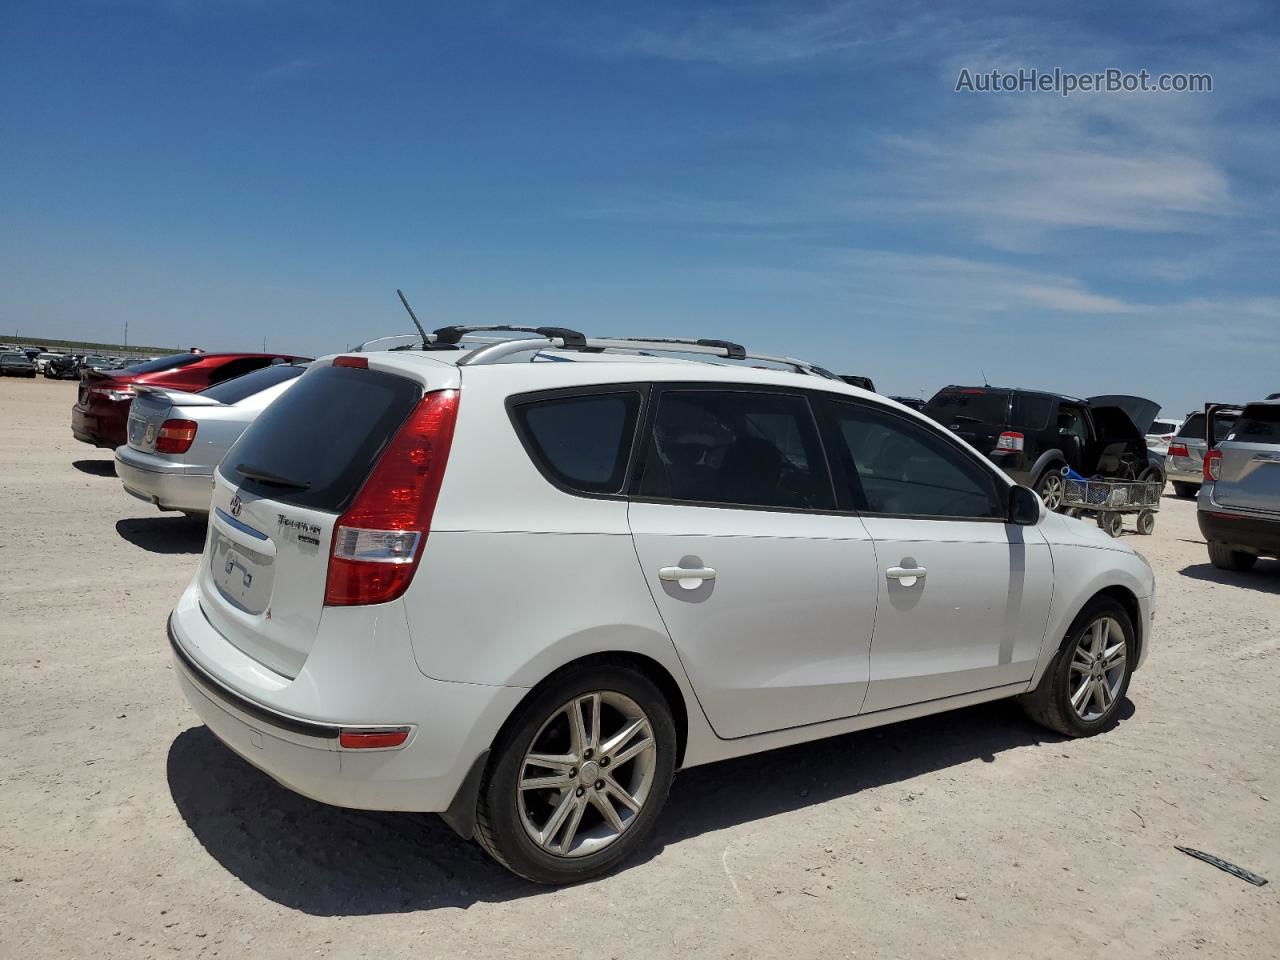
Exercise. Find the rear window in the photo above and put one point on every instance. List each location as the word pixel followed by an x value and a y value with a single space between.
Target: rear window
pixel 172 362
pixel 326 433
pixel 233 391
pixel 581 442
pixel 1193 429
pixel 1260 424
pixel 969 406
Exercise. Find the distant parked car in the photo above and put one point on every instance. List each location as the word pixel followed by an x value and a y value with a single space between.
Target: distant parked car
pixel 16 364
pixel 1160 433
pixel 915 403
pixel 1239 505
pixel 1032 435
pixel 63 367
pixel 42 360
pixel 100 412
pixel 95 362
pixel 1184 460
pixel 176 438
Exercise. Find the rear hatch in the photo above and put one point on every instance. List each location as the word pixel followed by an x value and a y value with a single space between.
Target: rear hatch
pixel 151 408
pixel 1140 411
pixel 278 494
pixel 1249 474
pixel 977 415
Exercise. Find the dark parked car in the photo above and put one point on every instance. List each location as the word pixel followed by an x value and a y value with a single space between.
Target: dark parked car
pixel 101 413
pixel 65 367
pixel 915 403
pixel 1032 435
pixel 15 364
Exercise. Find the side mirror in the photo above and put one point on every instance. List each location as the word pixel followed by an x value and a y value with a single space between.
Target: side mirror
pixel 1024 506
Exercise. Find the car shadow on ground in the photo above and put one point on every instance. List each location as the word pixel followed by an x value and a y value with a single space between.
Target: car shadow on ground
pixel 328 861
pixel 1264 577
pixel 96 468
pixel 179 534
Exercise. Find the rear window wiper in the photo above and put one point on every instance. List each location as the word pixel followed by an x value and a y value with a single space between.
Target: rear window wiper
pixel 266 476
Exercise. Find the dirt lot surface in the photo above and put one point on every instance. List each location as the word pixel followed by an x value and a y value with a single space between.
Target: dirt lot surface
pixel 128 831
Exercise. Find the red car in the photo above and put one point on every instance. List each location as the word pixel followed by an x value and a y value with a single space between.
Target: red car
pixel 101 414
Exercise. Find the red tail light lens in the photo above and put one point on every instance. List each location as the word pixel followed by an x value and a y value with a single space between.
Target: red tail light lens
pixel 380 739
pixel 377 543
pixel 1179 450
pixel 1212 465
pixel 360 363
pixel 1011 440
pixel 176 436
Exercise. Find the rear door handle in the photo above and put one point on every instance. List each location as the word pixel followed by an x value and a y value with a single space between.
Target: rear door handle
pixel 688 577
pixel 907 576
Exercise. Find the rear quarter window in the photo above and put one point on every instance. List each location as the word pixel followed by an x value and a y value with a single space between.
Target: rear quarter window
pixel 1193 429
pixel 970 406
pixel 1031 411
pixel 580 442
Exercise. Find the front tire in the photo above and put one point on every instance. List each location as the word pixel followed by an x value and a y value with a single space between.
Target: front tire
pixel 578 776
pixel 1224 558
pixel 1083 687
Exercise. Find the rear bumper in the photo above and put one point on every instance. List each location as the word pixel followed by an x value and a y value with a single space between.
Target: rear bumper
pixel 1250 534
pixel 1183 470
pixel 97 427
pixel 452 724
pixel 163 483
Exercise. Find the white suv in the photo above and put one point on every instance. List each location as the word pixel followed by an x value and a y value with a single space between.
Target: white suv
pixel 523 594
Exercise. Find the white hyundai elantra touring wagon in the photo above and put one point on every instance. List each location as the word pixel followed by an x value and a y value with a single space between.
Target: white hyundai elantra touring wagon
pixel 523 594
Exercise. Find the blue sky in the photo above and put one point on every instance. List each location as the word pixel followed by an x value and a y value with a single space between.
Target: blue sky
pixel 800 177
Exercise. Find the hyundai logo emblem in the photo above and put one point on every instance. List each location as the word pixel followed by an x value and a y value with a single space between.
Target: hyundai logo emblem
pixel 235 505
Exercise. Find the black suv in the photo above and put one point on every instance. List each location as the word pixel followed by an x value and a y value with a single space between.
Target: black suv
pixel 1032 435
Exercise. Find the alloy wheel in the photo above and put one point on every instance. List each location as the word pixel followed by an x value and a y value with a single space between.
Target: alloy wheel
pixel 1051 490
pixel 1097 669
pixel 587 774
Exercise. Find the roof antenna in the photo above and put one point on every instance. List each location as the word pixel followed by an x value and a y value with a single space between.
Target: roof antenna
pixel 985 382
pixel 426 345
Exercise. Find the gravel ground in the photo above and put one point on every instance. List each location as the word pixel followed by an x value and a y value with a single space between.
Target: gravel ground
pixel 127 830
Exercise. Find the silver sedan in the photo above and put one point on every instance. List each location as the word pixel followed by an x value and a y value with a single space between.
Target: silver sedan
pixel 176 439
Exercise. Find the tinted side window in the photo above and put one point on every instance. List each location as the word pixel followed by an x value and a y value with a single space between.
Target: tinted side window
pixel 897 467
pixel 736 448
pixel 1193 429
pixel 1031 411
pixel 582 442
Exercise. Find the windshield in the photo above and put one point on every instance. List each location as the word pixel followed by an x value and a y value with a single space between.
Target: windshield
pixel 172 362
pixel 237 389
pixel 10 357
pixel 969 405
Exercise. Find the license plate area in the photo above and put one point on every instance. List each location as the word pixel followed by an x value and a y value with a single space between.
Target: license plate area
pixel 243 576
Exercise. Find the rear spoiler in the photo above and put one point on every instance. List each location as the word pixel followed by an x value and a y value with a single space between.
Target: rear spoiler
pixel 177 398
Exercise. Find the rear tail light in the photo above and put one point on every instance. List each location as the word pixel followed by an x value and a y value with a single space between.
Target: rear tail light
pixel 1179 450
pixel 1212 465
pixel 377 543
pixel 176 436
pixel 113 393
pixel 1011 440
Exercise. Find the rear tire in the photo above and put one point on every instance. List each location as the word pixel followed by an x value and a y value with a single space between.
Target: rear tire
pixel 1069 699
pixel 1185 490
pixel 1051 486
pixel 563 831
pixel 1224 558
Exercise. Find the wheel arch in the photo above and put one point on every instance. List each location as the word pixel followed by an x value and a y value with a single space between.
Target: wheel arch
pixel 1043 462
pixel 1128 600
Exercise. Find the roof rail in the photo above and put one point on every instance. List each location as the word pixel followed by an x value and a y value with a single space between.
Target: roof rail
pixel 553 340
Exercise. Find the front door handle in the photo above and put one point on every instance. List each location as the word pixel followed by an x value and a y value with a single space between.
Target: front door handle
pixel 907 576
pixel 688 577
